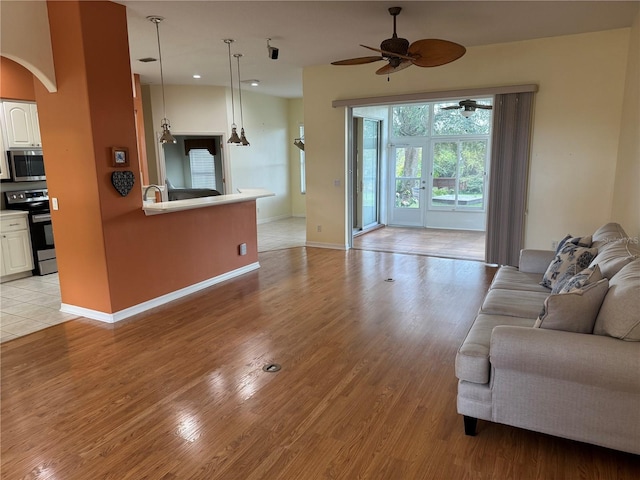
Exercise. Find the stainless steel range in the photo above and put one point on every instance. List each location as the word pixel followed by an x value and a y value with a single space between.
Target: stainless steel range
pixel 36 202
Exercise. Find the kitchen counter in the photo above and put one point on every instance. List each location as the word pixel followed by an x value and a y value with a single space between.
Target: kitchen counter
pixel 244 195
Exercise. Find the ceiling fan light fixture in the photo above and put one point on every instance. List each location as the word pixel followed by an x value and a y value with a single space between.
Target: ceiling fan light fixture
pixel 466 112
pixel 166 136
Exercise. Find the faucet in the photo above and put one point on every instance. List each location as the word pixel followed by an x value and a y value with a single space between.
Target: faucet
pixel 146 190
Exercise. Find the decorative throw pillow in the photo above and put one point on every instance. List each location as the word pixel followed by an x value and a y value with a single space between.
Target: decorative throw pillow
pixel 579 280
pixel 575 311
pixel 569 261
pixel 585 241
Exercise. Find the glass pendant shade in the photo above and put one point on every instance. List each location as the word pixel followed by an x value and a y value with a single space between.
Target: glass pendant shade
pixel 234 138
pixel 243 139
pixel 166 136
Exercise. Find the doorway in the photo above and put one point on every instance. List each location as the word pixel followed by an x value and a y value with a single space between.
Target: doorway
pixel 366 174
pixel 433 170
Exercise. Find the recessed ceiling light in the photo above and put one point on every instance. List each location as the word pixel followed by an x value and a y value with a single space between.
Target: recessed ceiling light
pixel 196 76
pixel 253 82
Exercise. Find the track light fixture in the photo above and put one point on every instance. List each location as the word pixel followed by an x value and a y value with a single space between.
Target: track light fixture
pixel 166 136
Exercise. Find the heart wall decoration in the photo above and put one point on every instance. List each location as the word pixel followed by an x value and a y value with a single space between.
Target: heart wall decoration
pixel 123 181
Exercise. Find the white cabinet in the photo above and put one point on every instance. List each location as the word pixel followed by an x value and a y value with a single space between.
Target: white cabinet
pixel 21 124
pixel 4 165
pixel 15 244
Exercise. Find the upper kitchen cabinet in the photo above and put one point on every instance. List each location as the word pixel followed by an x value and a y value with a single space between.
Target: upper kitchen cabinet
pixel 4 165
pixel 21 124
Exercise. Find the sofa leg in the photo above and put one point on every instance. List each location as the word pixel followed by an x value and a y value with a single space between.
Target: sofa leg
pixel 470 424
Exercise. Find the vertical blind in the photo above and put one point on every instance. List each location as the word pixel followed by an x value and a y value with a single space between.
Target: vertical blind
pixel 512 120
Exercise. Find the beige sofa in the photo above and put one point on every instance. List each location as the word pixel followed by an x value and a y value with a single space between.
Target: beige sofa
pixel 548 377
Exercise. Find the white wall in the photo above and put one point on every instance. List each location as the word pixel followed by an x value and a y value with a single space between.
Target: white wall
pixel 575 135
pixel 32 51
pixel 263 164
pixel 626 201
pixel 296 118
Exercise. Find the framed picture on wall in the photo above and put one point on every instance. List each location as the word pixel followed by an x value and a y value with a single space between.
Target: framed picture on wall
pixel 120 156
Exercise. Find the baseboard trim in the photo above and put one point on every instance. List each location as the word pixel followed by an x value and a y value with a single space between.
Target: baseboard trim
pixel 332 246
pixel 155 302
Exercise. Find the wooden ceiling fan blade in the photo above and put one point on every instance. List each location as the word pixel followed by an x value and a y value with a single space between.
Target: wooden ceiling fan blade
pixel 389 54
pixel 452 107
pixel 433 52
pixel 485 107
pixel 388 68
pixel 357 61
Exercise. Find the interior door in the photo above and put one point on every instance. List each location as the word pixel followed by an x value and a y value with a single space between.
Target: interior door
pixel 409 195
pixel 366 175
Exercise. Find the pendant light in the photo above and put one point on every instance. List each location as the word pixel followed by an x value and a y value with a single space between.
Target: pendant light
pixel 166 136
pixel 243 139
pixel 234 138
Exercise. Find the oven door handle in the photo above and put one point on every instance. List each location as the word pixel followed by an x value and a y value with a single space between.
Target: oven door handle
pixel 41 218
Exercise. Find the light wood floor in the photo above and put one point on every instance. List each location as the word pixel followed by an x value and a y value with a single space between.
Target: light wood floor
pixel 462 244
pixel 366 390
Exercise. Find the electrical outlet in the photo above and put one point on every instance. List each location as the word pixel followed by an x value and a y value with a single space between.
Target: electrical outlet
pixel 554 244
pixel 242 249
pixel 319 228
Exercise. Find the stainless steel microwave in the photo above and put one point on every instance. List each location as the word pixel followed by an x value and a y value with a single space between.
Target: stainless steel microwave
pixel 26 165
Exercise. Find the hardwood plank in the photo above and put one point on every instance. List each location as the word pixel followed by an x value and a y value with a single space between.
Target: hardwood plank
pixel 367 387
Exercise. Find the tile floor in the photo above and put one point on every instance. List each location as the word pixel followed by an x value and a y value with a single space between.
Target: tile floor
pixel 287 233
pixel 30 304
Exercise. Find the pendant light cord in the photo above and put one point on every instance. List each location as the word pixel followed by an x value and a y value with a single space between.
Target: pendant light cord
pixel 164 106
pixel 240 93
pixel 233 110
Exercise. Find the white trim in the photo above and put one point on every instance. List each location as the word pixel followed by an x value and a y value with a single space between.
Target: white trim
pixel 155 302
pixel 272 219
pixel 429 96
pixel 332 246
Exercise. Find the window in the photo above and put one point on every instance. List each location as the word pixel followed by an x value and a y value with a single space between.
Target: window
pixel 456 151
pixel 203 171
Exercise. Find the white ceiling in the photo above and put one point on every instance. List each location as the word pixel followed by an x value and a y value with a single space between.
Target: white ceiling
pixel 319 32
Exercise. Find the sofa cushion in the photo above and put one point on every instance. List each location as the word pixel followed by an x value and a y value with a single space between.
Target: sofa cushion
pixel 510 278
pixel 575 311
pixel 614 255
pixel 567 263
pixel 472 360
pixel 619 315
pixel 514 303
pixel 581 279
pixel 607 234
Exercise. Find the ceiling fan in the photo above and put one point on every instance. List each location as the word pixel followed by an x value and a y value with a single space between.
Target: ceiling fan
pixel 428 52
pixel 468 106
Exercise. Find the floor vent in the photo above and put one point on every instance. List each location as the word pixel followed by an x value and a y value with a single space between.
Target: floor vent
pixel 271 367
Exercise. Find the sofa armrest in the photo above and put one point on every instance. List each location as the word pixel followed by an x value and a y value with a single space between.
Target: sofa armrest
pixel 535 261
pixel 586 359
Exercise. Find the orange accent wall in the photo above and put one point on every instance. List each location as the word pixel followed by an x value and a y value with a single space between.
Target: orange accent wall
pixel 111 256
pixel 16 82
